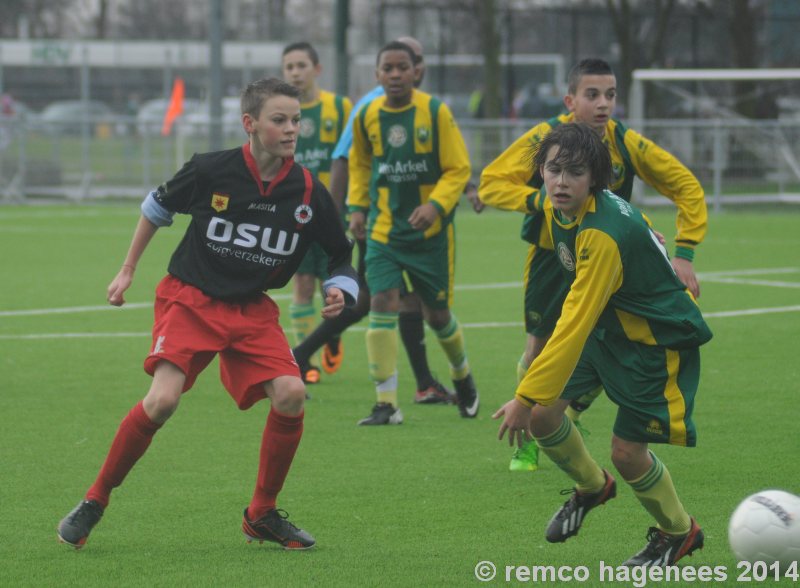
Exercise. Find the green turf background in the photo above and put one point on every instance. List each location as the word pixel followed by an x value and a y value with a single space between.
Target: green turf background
pixel 415 505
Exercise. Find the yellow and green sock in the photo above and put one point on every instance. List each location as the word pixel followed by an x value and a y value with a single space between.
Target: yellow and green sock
pixel 382 354
pixel 451 338
pixel 566 449
pixel 302 318
pixel 657 494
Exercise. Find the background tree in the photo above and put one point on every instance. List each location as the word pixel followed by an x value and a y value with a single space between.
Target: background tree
pixel 155 19
pixel 744 17
pixel 641 37
pixel 490 47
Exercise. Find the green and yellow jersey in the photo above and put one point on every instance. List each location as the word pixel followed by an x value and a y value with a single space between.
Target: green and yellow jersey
pixel 511 183
pixel 321 125
pixel 621 281
pixel 402 158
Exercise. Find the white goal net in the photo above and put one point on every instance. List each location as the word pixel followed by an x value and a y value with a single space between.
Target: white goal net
pixel 737 129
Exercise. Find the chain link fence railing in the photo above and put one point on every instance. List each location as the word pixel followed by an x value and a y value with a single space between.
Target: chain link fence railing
pixel 737 162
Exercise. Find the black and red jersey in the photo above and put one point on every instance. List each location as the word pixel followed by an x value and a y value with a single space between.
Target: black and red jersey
pixel 246 235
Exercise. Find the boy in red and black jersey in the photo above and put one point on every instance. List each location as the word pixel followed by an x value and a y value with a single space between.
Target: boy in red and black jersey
pixel 254 214
pixel 247 235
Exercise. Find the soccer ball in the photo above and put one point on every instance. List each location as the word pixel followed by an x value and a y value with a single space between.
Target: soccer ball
pixel 766 527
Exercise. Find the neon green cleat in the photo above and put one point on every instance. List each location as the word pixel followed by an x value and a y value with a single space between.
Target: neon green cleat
pixel 525 458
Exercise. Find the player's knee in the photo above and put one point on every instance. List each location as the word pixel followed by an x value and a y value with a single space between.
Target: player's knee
pixel 438 319
pixel 628 457
pixel 164 396
pixel 288 395
pixel 545 420
pixel 159 405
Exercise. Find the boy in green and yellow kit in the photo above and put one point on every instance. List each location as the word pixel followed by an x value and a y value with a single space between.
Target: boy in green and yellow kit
pixel 408 167
pixel 511 183
pixel 629 325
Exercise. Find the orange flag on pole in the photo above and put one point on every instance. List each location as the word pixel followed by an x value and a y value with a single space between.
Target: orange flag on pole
pixel 175 107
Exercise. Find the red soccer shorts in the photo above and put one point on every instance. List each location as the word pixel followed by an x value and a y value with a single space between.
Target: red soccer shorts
pixel 191 328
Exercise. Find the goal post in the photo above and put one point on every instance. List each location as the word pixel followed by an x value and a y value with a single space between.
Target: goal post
pixel 637 93
pixel 739 159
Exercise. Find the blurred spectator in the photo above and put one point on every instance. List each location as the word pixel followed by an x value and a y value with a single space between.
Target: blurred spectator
pixel 535 100
pixel 476 104
pixel 7 105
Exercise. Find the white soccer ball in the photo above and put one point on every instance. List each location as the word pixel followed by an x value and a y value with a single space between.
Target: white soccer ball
pixel 766 527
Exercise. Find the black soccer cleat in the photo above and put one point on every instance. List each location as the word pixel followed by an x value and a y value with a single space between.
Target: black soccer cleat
pixel 74 528
pixel 436 393
pixel 664 550
pixel 467 395
pixel 568 520
pixel 275 527
pixel 383 413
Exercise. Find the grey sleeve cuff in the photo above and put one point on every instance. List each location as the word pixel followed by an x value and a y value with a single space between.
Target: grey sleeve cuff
pixel 347 285
pixel 155 213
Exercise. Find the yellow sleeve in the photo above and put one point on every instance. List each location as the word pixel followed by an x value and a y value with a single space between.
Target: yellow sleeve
pixel 359 165
pixel 347 107
pixel 598 274
pixel 504 182
pixel 664 172
pixel 454 162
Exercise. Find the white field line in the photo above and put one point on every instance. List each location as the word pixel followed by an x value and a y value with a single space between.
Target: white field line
pixel 751 272
pixel 746 282
pixel 720 276
pixel 733 277
pixel 75 309
pixel 23 230
pixel 488 325
pixel 32 212
pixel 708 276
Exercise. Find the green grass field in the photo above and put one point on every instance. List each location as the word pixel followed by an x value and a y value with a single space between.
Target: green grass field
pixel 416 505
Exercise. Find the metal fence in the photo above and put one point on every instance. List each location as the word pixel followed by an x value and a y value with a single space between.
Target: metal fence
pixel 737 162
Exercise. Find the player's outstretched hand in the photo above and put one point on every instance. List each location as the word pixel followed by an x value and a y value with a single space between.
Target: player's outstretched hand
pixel 685 272
pixel 423 216
pixel 473 197
pixel 358 225
pixel 118 285
pixel 516 420
pixel 334 303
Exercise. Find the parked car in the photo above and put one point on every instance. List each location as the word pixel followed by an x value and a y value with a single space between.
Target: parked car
pixel 150 117
pixel 70 117
pixel 197 123
pixel 13 109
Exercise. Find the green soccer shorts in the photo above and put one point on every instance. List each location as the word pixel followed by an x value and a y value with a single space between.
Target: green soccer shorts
pixel 652 386
pixel 545 291
pixel 429 266
pixel 315 262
